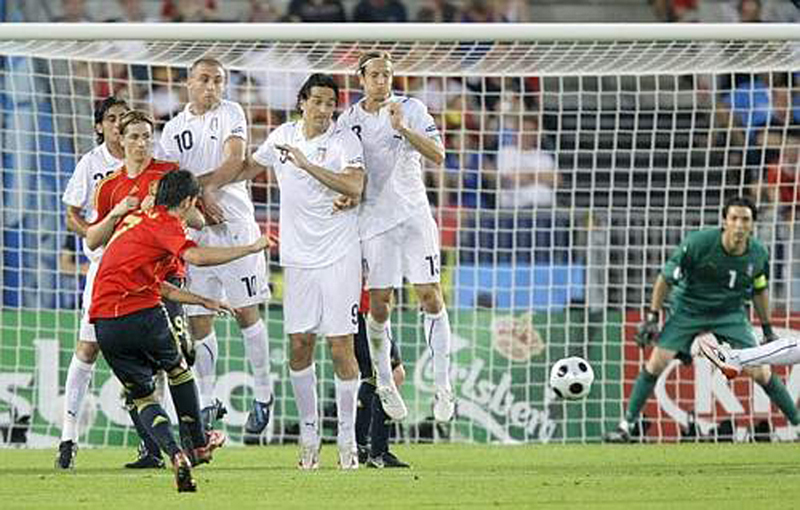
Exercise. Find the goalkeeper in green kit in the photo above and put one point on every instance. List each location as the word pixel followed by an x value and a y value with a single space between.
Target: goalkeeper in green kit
pixel 708 280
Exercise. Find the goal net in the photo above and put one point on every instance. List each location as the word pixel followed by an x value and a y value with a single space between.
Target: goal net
pixel 577 158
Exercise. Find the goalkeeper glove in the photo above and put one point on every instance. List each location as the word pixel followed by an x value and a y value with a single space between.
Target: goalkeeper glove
pixel 769 335
pixel 647 332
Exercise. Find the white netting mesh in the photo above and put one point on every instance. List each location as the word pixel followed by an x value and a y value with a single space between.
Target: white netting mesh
pixel 573 168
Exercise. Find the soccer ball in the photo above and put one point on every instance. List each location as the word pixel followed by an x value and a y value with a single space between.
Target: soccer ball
pixel 571 378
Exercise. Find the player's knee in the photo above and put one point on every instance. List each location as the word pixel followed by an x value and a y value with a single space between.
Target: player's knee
pixel 430 297
pixel 146 400
pixel 87 351
pixel 344 358
pixel 761 375
pixel 380 304
pixel 658 361
pixel 200 326
pixel 302 352
pixel 247 316
pixel 179 375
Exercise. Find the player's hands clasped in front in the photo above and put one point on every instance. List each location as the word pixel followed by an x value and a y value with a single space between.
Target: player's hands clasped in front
pixel 343 203
pixel 647 332
pixel 264 242
pixel 295 155
pixel 124 206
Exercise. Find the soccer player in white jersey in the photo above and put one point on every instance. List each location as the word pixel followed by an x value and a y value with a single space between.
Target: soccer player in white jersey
pixel 315 163
pixel 399 236
pixel 209 138
pixel 93 167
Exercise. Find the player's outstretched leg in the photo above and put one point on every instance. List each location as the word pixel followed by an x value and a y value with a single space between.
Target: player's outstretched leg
pixel 79 376
pixel 184 395
pixel 380 352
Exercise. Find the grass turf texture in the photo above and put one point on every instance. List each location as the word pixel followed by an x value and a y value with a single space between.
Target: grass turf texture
pixel 448 476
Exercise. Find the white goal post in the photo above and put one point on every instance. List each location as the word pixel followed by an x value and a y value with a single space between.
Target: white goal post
pixel 578 155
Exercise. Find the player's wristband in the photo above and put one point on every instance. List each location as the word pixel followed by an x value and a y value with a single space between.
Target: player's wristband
pixel 653 315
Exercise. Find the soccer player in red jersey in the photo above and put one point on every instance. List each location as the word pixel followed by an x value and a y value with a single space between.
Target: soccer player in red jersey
pixel 132 326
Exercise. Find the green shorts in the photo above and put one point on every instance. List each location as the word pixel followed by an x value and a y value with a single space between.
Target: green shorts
pixel 681 328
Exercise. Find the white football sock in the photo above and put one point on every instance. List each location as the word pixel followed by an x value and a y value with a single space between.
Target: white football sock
pixel 79 375
pixel 380 351
pixel 784 351
pixel 304 384
pixel 256 348
pixel 437 334
pixel 346 401
pixel 205 368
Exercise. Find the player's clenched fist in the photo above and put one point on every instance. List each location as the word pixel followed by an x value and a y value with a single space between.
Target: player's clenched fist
pixel 647 332
pixel 396 116
pixel 125 206
pixel 264 242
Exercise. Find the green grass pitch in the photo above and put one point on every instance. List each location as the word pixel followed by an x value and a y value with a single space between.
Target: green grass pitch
pixel 444 476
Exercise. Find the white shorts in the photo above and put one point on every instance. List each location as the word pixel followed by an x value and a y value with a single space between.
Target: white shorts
pixel 243 282
pixel 86 333
pixel 323 300
pixel 408 250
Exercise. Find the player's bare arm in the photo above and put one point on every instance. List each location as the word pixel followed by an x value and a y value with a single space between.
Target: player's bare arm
pixel 252 169
pixel 214 256
pixel 98 235
pixel 349 183
pixel 75 220
pixel 234 152
pixel 173 293
pixel 430 148
pixel 660 292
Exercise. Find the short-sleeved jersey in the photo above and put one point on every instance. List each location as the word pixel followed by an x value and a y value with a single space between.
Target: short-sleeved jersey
pixel 136 261
pixel 311 233
pixel 92 168
pixel 118 185
pixel 395 187
pixel 196 142
pixel 707 280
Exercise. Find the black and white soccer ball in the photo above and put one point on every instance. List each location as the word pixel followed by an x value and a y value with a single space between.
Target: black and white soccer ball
pixel 571 378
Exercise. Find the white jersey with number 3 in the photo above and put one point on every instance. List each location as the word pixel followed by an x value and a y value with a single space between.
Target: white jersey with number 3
pixel 312 235
pixel 395 187
pixel 196 142
pixel 93 167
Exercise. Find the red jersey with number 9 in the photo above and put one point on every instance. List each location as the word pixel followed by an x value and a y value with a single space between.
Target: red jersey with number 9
pixel 136 261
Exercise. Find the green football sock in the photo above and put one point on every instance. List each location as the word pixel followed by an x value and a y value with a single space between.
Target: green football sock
pixel 780 396
pixel 642 389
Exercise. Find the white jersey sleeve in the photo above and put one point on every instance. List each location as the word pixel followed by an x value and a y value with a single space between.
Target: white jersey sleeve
pixel 236 125
pixel 79 188
pixel 419 120
pixel 266 154
pixel 352 150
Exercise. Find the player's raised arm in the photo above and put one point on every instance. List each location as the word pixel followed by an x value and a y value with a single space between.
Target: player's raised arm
pixel 173 293
pixel 430 147
pixel 234 154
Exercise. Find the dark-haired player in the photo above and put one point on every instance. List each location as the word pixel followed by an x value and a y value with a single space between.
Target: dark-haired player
pixel 132 325
pixel 93 167
pixel 708 279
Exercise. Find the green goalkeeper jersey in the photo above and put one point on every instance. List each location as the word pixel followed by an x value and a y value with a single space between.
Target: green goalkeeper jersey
pixel 707 280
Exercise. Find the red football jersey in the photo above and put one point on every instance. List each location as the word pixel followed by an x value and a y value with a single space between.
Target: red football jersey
pixel 118 185
pixel 136 261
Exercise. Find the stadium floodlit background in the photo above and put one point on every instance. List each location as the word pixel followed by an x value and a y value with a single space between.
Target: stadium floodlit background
pixel 559 199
